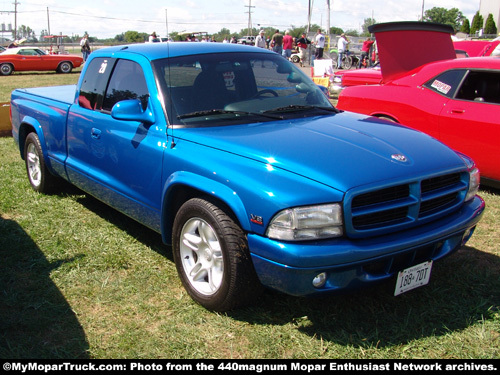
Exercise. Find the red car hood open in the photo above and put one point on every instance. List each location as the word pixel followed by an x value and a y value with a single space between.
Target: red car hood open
pixel 404 46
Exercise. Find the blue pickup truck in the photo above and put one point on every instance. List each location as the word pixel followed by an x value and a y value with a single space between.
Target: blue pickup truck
pixel 245 168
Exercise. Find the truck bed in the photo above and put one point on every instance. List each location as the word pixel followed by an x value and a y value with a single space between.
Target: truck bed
pixel 64 94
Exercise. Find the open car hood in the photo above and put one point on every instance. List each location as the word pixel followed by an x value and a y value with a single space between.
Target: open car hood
pixel 404 46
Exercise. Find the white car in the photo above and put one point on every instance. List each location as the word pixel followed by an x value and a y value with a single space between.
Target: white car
pixel 247 40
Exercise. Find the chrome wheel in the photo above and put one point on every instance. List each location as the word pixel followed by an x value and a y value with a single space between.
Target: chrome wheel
pixel 201 256
pixel 33 165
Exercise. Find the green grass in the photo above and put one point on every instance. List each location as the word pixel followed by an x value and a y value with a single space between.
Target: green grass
pixel 35 79
pixel 79 280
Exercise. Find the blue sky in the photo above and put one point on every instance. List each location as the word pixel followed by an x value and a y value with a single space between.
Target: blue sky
pixel 107 18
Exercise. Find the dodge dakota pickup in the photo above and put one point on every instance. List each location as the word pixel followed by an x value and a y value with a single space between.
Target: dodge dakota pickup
pixel 244 167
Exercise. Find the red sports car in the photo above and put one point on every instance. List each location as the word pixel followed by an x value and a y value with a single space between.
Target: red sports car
pixel 455 100
pixel 33 58
pixel 463 48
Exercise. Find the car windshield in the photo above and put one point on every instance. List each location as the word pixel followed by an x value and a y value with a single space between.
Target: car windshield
pixel 236 88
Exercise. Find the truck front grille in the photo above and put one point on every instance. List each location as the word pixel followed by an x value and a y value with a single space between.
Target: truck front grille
pixel 386 209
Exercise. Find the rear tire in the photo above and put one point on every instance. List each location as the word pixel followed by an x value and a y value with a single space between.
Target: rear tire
pixel 212 258
pixel 6 69
pixel 40 178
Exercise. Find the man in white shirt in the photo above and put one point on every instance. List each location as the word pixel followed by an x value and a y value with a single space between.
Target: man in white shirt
pixel 341 49
pixel 260 40
pixel 319 41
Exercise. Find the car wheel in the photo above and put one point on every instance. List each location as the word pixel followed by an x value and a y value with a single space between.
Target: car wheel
pixel 40 178
pixel 212 257
pixel 6 69
pixel 65 67
pixel 295 59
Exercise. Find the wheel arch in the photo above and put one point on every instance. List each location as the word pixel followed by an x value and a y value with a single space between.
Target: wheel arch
pixel 386 116
pixel 31 125
pixel 182 186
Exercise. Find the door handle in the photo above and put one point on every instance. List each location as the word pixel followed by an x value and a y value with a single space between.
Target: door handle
pixel 458 111
pixel 95 133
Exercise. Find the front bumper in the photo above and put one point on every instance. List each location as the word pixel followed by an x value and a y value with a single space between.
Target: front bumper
pixel 349 264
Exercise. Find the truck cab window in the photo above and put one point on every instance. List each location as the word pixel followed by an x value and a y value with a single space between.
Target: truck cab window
pixel 94 83
pixel 127 82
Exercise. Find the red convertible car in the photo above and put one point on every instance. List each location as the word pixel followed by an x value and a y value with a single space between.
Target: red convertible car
pixel 33 58
pixel 454 100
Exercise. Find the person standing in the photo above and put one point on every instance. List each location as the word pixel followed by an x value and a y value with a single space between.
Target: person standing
pixel 277 42
pixel 153 38
pixel 85 47
pixel 287 45
pixel 260 40
pixel 365 53
pixel 341 48
pixel 319 41
pixel 303 44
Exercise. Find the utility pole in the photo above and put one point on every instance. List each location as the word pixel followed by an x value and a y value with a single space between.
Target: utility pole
pixel 328 18
pixel 15 19
pixel 250 27
pixel 48 21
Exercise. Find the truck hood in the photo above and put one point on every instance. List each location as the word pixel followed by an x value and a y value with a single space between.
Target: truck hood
pixel 342 151
pixel 404 46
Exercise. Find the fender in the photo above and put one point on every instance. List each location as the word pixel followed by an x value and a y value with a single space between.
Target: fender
pixel 205 186
pixel 30 122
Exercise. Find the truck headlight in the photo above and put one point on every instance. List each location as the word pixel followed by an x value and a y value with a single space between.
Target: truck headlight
pixel 474 179
pixel 474 176
pixel 307 223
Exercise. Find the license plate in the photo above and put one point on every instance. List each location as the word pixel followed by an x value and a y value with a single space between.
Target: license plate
pixel 413 277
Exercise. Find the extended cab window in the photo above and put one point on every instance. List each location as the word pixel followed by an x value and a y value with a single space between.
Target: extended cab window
pixel 446 83
pixel 127 82
pixel 481 86
pixel 94 83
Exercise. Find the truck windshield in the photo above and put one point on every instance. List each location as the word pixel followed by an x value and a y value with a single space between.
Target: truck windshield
pixel 233 88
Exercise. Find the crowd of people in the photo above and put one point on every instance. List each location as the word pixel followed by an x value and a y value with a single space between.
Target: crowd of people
pixel 283 44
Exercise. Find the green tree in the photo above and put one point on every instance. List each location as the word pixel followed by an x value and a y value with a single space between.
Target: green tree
pixel 368 22
pixel 477 23
pixel 135 37
pixel 490 27
pixel 465 26
pixel 336 30
pixel 452 17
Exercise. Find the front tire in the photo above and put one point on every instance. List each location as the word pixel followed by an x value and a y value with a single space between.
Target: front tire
pixel 40 178
pixel 212 257
pixel 65 67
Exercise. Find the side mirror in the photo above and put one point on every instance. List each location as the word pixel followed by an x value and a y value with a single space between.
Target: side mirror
pixel 131 110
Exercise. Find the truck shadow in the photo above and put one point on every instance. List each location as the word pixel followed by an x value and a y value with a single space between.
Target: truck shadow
pixel 464 289
pixel 36 321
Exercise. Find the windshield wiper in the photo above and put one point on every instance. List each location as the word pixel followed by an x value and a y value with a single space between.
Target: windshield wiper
pixel 297 108
pixel 214 112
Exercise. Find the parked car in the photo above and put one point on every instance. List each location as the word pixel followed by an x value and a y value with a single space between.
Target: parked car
pixel 478 48
pixel 33 58
pixel 454 100
pixel 371 76
pixel 247 40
